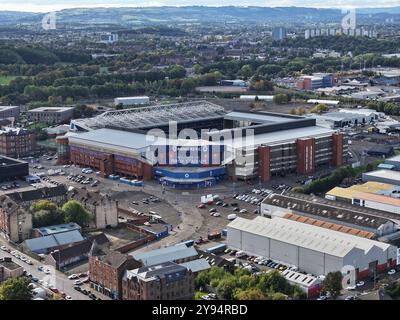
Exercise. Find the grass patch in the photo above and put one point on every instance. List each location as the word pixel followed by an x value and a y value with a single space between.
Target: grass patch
pixel 5 80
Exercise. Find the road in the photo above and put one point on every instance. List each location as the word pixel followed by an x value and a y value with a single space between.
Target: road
pixel 60 280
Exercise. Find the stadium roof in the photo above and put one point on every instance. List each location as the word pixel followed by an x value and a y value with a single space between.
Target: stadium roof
pixel 153 116
pixel 306 236
pixel 259 117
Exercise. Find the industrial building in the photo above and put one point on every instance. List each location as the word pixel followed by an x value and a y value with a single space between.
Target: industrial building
pixel 131 101
pixel 384 176
pixel 9 112
pixel 51 115
pixel 378 222
pixel 239 145
pixel 163 281
pixel 394 162
pixel 347 194
pixel 310 284
pixel 312 249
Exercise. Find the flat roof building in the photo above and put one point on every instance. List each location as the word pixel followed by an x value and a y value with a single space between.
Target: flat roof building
pixel 371 220
pixel 384 176
pixel 51 115
pixel 9 112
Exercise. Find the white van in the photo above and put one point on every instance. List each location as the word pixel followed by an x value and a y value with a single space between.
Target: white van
pixel 240 254
pixel 232 216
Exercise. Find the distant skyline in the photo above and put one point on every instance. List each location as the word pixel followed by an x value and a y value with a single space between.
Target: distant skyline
pixel 55 5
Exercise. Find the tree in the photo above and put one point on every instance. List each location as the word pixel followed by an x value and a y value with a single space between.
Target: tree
pixel 277 296
pixel 226 288
pixel 176 72
pixel 46 213
pixel 273 282
pixel 281 98
pixel 16 289
pixel 246 71
pixel 333 283
pixel 75 212
pixel 319 108
pixel 250 294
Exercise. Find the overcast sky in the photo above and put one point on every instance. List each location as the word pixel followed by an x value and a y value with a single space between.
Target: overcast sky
pixel 53 5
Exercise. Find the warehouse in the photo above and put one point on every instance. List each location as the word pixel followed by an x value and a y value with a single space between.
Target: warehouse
pixel 312 249
pixel 239 145
pixel 376 221
pixel 394 161
pixel 376 201
pixel 131 101
pixel 384 176
pixel 347 194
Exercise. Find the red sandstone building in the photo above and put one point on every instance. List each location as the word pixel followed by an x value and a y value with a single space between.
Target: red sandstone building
pixel 17 142
pixel 106 269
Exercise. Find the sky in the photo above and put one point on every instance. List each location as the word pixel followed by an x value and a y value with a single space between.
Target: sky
pixel 54 5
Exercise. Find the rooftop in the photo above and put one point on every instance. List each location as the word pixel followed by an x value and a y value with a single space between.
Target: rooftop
pixel 45 231
pixel 386 174
pixel 51 109
pixel 332 210
pixel 300 278
pixel 169 270
pixel 377 198
pixel 53 240
pixel 196 265
pixel 306 236
pixel 260 117
pixel 153 116
pixel 328 225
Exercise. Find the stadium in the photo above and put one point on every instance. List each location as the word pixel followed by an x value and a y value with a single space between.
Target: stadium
pixel 197 144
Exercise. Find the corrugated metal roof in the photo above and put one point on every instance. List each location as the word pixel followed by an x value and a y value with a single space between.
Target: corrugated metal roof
pixel 328 225
pixel 55 240
pixel 377 198
pixel 179 251
pixel 196 265
pixel 307 236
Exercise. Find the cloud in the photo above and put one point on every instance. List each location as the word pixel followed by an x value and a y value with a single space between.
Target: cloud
pixel 54 5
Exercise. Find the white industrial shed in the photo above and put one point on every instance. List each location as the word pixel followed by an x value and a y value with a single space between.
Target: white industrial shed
pixel 313 249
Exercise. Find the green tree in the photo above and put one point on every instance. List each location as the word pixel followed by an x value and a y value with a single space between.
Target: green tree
pixel 75 212
pixel 281 98
pixel 226 288
pixel 273 282
pixel 246 71
pixel 277 296
pixel 250 294
pixel 319 108
pixel 46 213
pixel 333 283
pixel 16 289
